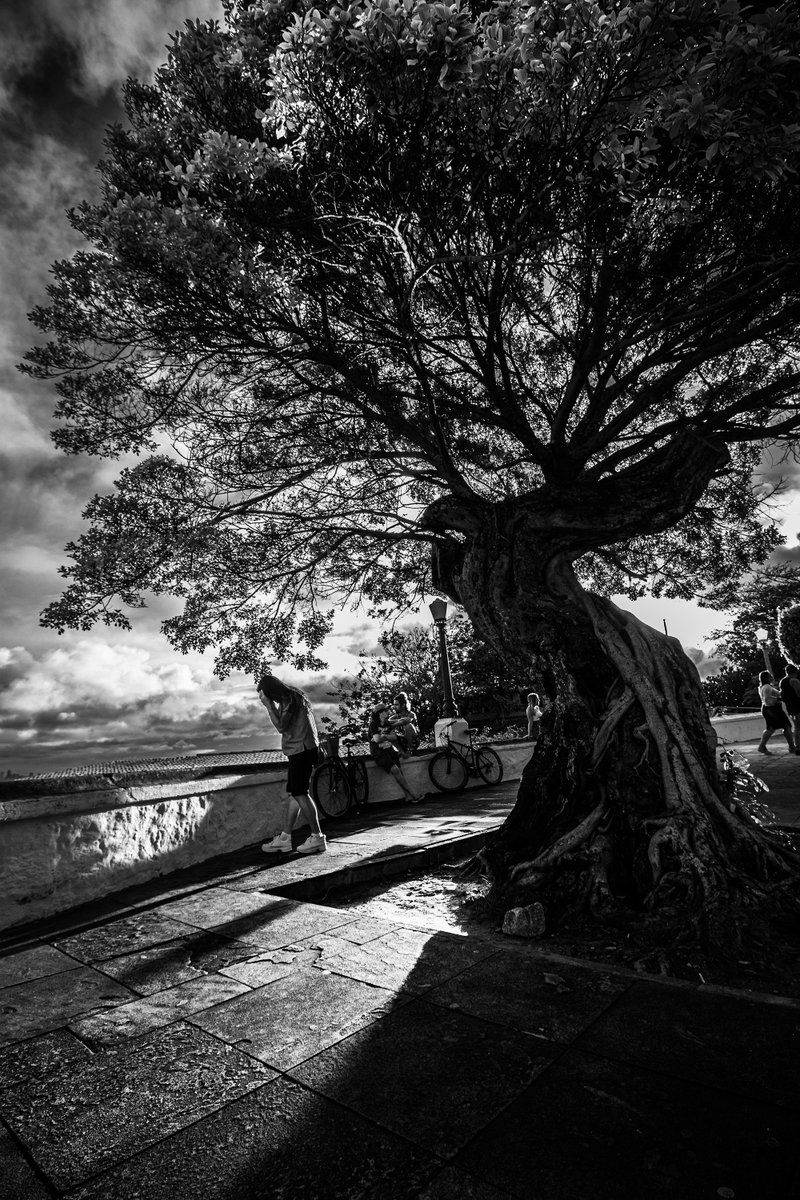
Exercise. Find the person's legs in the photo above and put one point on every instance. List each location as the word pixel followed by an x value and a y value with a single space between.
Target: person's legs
pixel 290 814
pixel 787 733
pixel 282 842
pixel 796 731
pixel 408 792
pixel 308 808
pixel 766 735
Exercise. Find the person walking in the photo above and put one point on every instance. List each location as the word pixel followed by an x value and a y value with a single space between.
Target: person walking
pixel 383 747
pixel 790 695
pixel 290 713
pixel 773 713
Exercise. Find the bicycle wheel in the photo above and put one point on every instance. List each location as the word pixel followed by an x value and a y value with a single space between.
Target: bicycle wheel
pixel 359 781
pixel 330 789
pixel 448 771
pixel 488 764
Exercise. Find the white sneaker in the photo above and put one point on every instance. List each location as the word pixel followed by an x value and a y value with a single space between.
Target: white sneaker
pixel 280 844
pixel 316 844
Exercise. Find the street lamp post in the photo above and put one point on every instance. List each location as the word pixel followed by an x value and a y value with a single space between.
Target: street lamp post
pixel 762 637
pixel 439 613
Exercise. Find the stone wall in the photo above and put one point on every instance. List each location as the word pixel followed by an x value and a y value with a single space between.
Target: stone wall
pixel 740 727
pixel 66 841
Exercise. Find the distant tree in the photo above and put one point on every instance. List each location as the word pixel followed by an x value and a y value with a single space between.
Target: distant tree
pixel 497 299
pixel 789 632
pixel 482 683
pixel 756 604
pixel 729 687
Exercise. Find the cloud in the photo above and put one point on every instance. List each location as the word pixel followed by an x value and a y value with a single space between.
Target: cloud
pixel 91 697
pixel 92 700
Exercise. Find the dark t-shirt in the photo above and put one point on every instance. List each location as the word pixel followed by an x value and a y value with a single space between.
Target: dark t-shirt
pixel 790 693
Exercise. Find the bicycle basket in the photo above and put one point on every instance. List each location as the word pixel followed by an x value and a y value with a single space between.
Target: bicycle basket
pixel 330 743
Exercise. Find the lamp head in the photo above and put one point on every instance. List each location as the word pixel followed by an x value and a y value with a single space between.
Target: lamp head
pixel 438 610
pixel 762 635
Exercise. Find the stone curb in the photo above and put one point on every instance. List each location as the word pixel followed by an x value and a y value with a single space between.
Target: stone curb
pixel 382 868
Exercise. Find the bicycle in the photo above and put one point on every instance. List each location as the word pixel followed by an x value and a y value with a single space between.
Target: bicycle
pixel 337 784
pixel 450 768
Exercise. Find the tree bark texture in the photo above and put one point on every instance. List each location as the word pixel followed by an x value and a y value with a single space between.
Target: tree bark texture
pixel 620 812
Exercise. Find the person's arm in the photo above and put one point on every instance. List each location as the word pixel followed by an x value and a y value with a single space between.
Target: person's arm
pixel 280 719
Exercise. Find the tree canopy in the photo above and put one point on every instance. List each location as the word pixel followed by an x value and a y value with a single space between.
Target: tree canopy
pixel 366 278
pixel 496 299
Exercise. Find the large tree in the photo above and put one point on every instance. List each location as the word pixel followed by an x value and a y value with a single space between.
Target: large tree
pixel 495 298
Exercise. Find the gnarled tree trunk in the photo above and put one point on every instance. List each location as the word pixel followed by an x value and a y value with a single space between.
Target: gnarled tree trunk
pixel 620 812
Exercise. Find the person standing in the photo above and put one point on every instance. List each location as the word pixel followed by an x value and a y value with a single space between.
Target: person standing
pixel 534 714
pixel 773 713
pixel 290 713
pixel 790 695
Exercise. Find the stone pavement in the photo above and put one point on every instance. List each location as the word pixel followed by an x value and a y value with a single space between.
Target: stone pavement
pixel 211 1036
pixel 780 770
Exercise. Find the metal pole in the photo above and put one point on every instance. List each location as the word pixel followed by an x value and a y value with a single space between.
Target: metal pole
pixel 767 662
pixel 449 706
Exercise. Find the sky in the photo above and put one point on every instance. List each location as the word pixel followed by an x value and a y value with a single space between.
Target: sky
pixel 82 697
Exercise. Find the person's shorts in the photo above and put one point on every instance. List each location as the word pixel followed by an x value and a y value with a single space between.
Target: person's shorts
pixel 300 767
pixel 775 717
pixel 385 757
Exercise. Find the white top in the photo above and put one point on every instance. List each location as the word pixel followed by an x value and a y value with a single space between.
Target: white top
pixel 769 694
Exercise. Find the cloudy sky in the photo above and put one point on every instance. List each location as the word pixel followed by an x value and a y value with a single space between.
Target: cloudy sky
pixel 81 697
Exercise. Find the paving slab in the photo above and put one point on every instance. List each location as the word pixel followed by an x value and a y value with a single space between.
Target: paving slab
pixel 34 963
pixel 434 1076
pixel 281 1142
pixel 18 1179
pixel 217 907
pixel 742 1046
pixel 404 959
pixel 153 1012
pixel 38 1006
pixel 285 870
pixel 588 1130
pixel 529 994
pixel 296 1016
pixel 451 1184
pixel 134 932
pixel 39 1057
pixel 187 958
pixel 286 924
pixel 87 1117
pixel 262 967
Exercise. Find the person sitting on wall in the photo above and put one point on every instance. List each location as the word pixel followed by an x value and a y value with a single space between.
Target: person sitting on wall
pixel 404 723
pixel 383 747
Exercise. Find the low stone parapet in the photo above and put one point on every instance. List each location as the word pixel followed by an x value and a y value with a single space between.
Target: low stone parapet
pixel 739 727
pixel 66 840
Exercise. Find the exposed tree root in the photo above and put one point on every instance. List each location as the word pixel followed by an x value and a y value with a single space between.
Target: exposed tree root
pixel 629 824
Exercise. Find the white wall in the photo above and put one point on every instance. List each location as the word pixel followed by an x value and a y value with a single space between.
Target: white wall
pixel 740 727
pixel 61 850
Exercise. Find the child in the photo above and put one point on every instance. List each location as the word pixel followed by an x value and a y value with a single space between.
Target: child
pixel 534 714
